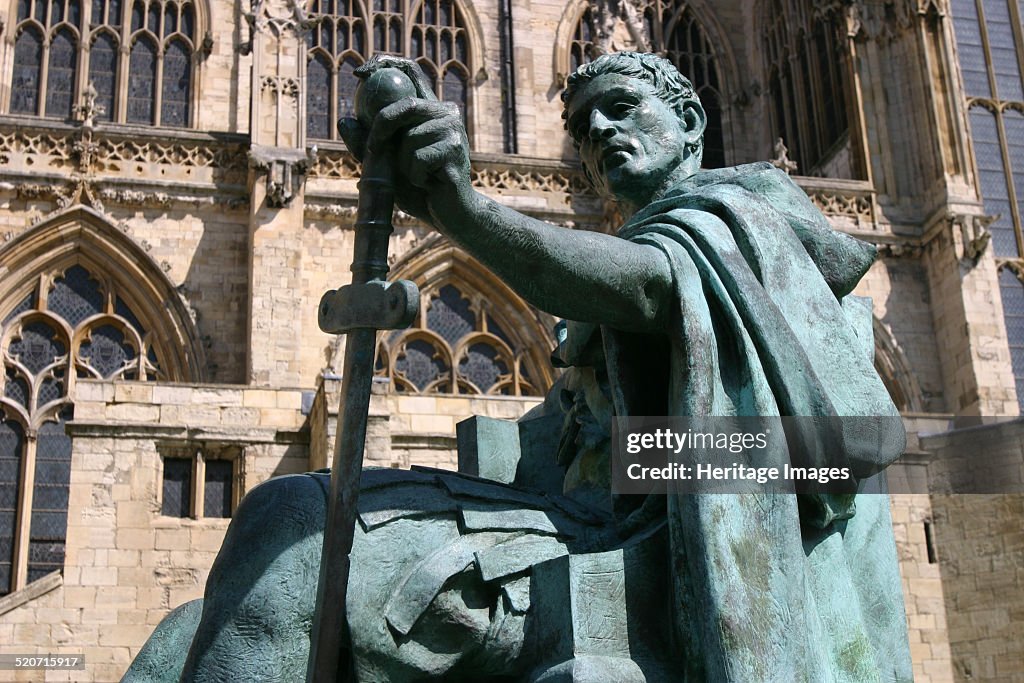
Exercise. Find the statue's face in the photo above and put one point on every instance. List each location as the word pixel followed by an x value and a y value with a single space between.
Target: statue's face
pixel 629 140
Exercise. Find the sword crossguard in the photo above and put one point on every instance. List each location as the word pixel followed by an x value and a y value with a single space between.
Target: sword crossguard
pixel 375 305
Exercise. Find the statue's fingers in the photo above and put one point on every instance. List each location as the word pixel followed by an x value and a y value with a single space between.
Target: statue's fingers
pixel 403 115
pixel 424 88
pixel 426 164
pixel 354 135
pixel 433 131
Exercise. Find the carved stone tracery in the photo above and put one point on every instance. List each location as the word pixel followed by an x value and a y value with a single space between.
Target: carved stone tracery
pixel 285 171
pixel 281 85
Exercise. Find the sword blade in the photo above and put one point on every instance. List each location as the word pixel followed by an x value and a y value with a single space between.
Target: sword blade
pixel 329 661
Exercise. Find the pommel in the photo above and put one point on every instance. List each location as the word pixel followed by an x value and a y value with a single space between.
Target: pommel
pixel 381 88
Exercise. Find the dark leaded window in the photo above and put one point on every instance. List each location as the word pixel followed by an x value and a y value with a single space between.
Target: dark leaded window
pixel 806 83
pixel 63 48
pixel 141 90
pixel 212 478
pixel 177 487
pixel 437 41
pixel 990 50
pixel 458 347
pixel 675 33
pixel 12 441
pixel 50 499
pixel 79 326
pixel 217 491
pixel 103 73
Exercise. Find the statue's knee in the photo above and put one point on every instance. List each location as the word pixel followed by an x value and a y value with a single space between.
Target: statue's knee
pixel 277 531
pixel 293 506
pixel 261 591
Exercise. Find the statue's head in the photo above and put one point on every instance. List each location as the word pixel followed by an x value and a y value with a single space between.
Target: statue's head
pixel 637 123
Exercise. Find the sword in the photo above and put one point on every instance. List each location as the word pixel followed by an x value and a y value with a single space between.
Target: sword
pixel 359 309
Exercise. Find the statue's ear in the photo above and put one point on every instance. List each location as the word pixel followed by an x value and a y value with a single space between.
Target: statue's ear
pixel 693 120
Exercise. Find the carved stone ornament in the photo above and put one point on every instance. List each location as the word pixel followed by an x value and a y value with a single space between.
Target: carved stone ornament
pixel 1015 266
pixel 281 85
pixel 971 236
pixel 782 159
pixel 906 249
pixel 285 169
pixel 880 20
pixel 88 110
pixel 276 17
pixel 619 25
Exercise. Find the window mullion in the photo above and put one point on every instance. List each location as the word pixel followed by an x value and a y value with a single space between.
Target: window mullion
pixel 158 83
pixel 23 519
pixel 332 105
pixel 198 484
pixel 82 72
pixel 238 476
pixel 44 70
pixel 122 84
pixel 193 98
pixel 989 66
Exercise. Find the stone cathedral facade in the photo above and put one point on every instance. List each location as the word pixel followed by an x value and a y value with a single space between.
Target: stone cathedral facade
pixel 174 200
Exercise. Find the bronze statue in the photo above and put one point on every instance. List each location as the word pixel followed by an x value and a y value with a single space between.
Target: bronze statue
pixel 726 293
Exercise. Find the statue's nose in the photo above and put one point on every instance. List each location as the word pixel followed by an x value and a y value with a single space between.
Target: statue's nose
pixel 600 126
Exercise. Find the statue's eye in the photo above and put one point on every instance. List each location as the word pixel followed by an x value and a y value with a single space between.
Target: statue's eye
pixel 623 108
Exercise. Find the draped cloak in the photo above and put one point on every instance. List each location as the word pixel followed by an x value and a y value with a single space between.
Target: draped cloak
pixel 767 587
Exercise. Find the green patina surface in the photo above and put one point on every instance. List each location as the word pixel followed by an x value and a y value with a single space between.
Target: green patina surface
pixel 726 293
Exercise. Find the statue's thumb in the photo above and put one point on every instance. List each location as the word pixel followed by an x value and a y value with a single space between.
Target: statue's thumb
pixel 354 135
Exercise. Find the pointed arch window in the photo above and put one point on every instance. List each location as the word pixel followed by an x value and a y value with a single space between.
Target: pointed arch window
pixel 676 33
pixel 432 32
pixel 806 76
pixel 70 324
pixel 460 346
pixel 140 58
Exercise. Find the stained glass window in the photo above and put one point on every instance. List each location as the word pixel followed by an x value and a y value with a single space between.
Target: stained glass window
pixel 141 91
pixel 60 77
pixel 68 49
pixel 28 55
pixel 73 327
pixel 50 498
pixel 103 73
pixel 806 82
pixel 674 32
pixel 459 347
pixel 345 38
pixel 990 50
pixel 176 85
pixel 12 440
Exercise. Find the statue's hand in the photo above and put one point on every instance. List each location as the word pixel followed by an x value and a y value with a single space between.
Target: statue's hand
pixel 431 148
pixel 401 117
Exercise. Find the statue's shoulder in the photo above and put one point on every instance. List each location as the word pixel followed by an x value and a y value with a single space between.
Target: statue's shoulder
pixel 740 186
pixel 760 177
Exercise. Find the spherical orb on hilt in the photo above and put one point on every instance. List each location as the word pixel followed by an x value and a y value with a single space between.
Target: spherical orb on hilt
pixel 381 88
